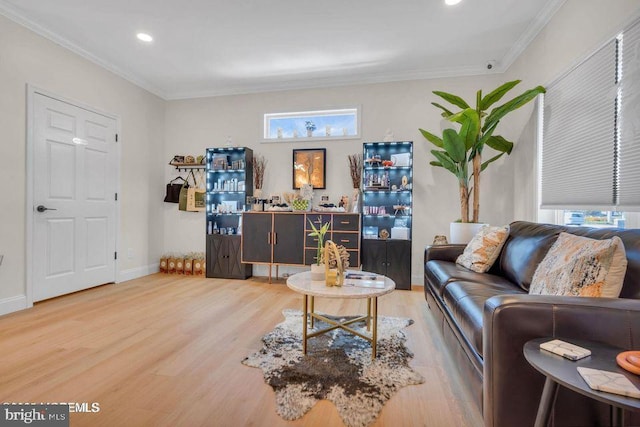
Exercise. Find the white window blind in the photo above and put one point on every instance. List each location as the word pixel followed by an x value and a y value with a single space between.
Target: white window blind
pixel 629 198
pixel 579 141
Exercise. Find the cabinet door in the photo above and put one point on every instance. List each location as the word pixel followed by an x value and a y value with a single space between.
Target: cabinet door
pixel 216 261
pixel 256 237
pixel 399 263
pixel 374 256
pixel 235 268
pixel 288 239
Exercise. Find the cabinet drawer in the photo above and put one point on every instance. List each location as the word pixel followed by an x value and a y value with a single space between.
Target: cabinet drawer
pixel 348 240
pixel 354 259
pixel 317 220
pixel 346 222
pixel 312 241
pixel 310 256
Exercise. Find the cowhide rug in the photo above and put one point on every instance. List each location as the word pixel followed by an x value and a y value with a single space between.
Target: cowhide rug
pixel 337 367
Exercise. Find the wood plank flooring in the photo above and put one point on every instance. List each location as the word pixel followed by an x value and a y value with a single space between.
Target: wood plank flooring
pixel 165 350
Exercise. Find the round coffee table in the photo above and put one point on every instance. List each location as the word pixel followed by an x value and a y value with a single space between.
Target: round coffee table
pixel 369 286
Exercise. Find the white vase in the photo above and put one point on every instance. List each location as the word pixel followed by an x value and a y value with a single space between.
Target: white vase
pixel 317 272
pixel 463 232
pixel 309 133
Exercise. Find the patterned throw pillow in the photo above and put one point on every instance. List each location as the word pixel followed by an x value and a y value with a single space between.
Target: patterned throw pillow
pixel 580 266
pixel 483 250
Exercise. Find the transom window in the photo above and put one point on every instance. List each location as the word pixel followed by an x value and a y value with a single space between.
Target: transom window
pixel 321 124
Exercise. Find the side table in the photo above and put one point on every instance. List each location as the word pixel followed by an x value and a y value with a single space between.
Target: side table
pixel 561 371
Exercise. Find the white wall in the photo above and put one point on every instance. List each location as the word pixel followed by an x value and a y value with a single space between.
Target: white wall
pixel 578 29
pixel 26 58
pixel 192 125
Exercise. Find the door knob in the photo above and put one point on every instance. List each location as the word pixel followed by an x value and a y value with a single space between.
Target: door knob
pixel 42 208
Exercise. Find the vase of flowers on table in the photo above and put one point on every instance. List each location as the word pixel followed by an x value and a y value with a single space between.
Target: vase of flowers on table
pixel 317 269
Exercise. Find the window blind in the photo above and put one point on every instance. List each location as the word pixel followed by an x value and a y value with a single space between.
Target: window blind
pixel 578 139
pixel 629 123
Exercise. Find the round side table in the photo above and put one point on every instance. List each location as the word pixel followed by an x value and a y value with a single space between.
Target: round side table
pixel 561 371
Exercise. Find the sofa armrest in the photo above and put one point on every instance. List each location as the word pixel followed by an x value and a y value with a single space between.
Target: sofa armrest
pixel 448 252
pixel 512 388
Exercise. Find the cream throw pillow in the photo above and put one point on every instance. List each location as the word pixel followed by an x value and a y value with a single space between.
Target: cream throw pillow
pixel 580 266
pixel 483 250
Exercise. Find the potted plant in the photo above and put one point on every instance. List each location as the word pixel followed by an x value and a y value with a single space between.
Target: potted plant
pixel 310 127
pixel 317 269
pixel 460 152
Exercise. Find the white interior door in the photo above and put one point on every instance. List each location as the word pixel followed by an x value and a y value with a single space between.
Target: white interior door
pixel 74 198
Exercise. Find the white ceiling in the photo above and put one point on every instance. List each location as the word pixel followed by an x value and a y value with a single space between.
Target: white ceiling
pixel 217 47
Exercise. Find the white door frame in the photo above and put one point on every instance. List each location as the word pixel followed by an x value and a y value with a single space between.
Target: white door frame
pixel 31 92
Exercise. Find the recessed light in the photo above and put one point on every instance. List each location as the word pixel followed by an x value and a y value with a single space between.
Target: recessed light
pixel 147 38
pixel 451 2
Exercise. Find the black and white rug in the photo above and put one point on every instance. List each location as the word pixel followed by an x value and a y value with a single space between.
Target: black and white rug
pixel 337 367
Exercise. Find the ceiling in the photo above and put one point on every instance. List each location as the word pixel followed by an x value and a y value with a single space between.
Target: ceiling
pixel 216 47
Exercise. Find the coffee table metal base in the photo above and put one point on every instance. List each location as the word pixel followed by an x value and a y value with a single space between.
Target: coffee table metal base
pixel 371 319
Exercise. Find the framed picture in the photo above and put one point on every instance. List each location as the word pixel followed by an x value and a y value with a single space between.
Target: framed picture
pixel 309 167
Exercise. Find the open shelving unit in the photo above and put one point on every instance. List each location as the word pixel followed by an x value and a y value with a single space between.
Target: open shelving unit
pixel 387 205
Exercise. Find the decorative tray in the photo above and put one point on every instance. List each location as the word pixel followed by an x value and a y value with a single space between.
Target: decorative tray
pixel 334 209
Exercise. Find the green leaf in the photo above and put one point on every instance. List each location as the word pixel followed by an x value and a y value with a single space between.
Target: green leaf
pixel 435 140
pixel 454 145
pixel 445 161
pixel 434 163
pixel 453 99
pixel 497 94
pixel 500 144
pixel 517 102
pixel 485 136
pixel 470 126
pixel 447 112
pixel 493 159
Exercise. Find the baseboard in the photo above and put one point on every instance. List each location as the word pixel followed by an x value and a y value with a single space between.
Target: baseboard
pixel 134 273
pixel 11 304
pixel 417 280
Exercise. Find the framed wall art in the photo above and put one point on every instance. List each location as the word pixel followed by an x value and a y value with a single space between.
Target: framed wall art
pixel 309 167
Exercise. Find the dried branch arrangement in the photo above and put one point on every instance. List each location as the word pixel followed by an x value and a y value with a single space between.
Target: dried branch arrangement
pixel 259 166
pixel 355 168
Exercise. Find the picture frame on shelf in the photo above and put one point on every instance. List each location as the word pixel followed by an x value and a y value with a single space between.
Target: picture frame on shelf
pixel 309 167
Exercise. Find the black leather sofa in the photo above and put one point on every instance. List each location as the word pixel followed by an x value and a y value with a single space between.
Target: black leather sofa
pixel 486 319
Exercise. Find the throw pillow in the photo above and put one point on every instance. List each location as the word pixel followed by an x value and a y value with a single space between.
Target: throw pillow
pixel 483 250
pixel 580 266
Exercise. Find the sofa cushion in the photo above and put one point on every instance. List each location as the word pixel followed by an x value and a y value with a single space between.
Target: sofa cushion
pixel 524 250
pixel 465 303
pixel 483 250
pixel 580 266
pixel 440 273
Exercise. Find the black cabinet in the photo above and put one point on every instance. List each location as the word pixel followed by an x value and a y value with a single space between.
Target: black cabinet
pixel 387 205
pixel 281 238
pixel 223 257
pixel 273 238
pixel 391 258
pixel 229 182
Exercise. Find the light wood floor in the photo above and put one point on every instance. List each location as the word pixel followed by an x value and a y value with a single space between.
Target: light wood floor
pixel 166 350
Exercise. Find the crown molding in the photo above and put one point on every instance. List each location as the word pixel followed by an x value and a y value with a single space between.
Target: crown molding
pixel 319 83
pixel 521 44
pixel 12 14
pixel 538 23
